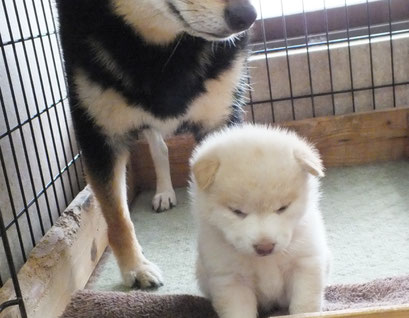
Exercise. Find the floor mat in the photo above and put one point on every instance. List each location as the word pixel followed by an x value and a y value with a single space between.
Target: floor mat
pixel 366 212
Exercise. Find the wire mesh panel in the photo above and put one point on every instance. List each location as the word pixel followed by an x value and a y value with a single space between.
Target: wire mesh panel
pixel 40 170
pixel 315 58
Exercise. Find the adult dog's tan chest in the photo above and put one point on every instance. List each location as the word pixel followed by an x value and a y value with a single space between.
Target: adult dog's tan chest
pixel 110 110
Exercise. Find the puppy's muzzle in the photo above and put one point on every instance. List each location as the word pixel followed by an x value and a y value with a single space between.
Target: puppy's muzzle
pixel 264 248
pixel 240 16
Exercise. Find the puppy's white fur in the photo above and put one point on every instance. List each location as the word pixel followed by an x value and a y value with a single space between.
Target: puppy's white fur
pixel 254 185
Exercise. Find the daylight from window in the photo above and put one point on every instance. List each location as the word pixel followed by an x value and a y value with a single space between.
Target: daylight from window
pixel 272 8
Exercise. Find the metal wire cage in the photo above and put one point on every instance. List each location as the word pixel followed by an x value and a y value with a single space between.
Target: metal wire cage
pixel 310 58
pixel 315 58
pixel 40 170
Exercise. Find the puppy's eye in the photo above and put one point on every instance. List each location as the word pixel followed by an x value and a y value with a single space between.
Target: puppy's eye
pixel 282 209
pixel 238 213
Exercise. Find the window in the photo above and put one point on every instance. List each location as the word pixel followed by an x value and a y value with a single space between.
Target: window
pixel 300 22
pixel 272 8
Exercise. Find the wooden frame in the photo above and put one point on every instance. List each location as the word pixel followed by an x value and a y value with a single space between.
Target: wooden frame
pixel 357 20
pixel 379 312
pixel 66 257
pixel 62 261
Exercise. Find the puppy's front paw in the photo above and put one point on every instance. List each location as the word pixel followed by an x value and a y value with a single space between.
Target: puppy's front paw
pixel 145 276
pixel 163 201
pixel 304 308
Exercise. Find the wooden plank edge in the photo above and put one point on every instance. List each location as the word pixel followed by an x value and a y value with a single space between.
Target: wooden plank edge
pixel 62 261
pixel 398 311
pixel 358 138
pixel 376 113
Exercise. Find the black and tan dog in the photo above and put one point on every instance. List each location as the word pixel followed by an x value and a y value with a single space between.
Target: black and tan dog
pixel 151 66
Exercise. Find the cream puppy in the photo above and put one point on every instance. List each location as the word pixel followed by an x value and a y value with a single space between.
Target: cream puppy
pixel 261 241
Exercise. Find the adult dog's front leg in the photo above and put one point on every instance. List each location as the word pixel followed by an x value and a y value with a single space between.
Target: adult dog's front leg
pixel 109 188
pixel 165 197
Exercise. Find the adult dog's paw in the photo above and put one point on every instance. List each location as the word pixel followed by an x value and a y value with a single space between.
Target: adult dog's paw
pixel 146 276
pixel 163 201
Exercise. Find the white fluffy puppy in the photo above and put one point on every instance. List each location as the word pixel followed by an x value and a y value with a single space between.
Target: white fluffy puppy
pixel 261 241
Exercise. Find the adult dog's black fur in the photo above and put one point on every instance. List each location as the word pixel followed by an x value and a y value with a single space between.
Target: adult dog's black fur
pixel 151 66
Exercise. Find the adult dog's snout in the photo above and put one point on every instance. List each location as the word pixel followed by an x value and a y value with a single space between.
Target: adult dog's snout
pixel 240 16
pixel 264 248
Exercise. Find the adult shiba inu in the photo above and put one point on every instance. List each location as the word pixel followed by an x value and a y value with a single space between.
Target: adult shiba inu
pixel 151 66
pixel 261 237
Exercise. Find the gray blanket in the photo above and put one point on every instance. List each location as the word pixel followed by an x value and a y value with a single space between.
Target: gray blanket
pixel 94 304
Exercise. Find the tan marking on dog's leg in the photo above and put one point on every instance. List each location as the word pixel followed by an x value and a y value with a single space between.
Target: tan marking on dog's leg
pixel 165 197
pixel 135 268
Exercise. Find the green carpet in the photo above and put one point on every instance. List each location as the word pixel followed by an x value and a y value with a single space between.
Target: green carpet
pixel 366 212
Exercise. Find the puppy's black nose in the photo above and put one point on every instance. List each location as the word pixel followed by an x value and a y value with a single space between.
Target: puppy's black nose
pixel 264 249
pixel 240 17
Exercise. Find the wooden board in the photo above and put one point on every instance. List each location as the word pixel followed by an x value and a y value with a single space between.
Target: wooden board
pixel 357 138
pixel 62 261
pixel 381 312
pixel 342 141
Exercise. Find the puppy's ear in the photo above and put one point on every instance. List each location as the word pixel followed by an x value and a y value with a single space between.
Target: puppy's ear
pixel 204 171
pixel 310 161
